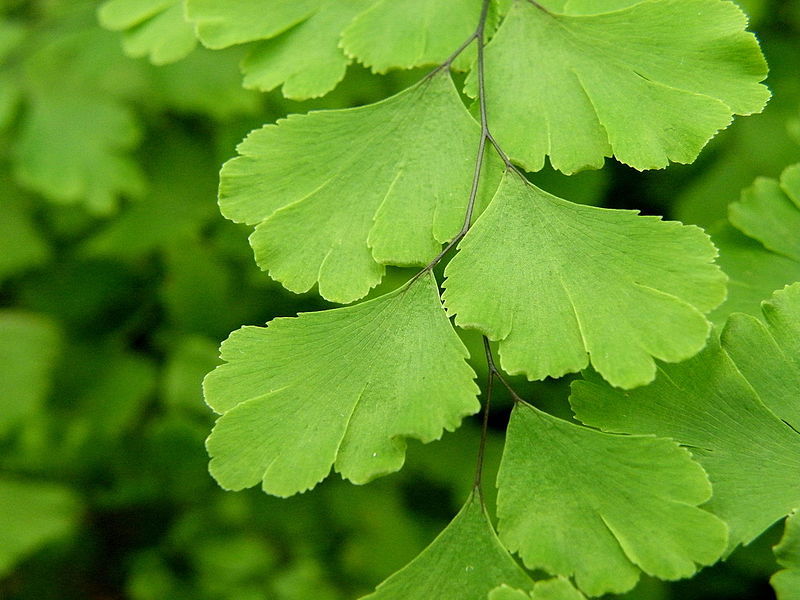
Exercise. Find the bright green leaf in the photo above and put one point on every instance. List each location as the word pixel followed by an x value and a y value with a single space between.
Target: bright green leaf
pixel 464 562
pixel 306 59
pixel 706 404
pixel 31 515
pixel 412 33
pixel 762 349
pixel 787 581
pixel 650 83
pixel 222 23
pixel 341 387
pixel 769 212
pixel 386 183
pixel 578 502
pixel 557 588
pixel 29 345
pixel 154 28
pixel 559 283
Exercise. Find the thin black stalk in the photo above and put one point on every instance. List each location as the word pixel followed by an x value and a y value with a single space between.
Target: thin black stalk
pixel 479 36
pixel 485 420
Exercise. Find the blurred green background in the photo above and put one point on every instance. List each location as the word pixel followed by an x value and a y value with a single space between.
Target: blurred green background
pixel 119 278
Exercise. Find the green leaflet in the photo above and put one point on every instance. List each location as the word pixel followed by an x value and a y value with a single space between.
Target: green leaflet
pixel 72 148
pixel 76 130
pixel 557 588
pixel 153 28
pixel 29 345
pixel 31 515
pixel 386 183
pixel 464 562
pixel 559 283
pixel 708 404
pixel 764 253
pixel 222 23
pixel 749 341
pixel 600 507
pixel 769 212
pixel 650 83
pixel 340 387
pixel 754 272
pixel 787 581
pixel 306 59
pixel 411 33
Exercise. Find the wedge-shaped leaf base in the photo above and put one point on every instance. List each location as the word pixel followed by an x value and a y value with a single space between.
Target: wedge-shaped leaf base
pixel 559 283
pixel 650 83
pixel 601 507
pixel 465 562
pixel 338 194
pixel 340 387
pixel 711 404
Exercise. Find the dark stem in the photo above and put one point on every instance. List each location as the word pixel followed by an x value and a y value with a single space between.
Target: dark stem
pixel 492 372
pixel 479 36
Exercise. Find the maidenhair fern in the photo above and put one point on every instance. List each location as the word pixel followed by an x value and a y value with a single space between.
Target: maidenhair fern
pixel 687 444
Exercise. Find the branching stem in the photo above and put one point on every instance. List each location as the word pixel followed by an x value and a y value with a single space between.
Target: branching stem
pixel 479 37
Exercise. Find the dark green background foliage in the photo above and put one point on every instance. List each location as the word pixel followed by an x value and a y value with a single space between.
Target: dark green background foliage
pixel 119 279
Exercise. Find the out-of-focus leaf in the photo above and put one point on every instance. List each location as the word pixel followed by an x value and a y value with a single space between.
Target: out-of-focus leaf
pixel 33 514
pixel 29 345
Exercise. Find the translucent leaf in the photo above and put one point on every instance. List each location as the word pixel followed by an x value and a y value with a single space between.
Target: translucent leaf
pixel 600 507
pixel 769 212
pixel 386 183
pixel 705 403
pixel 306 59
pixel 411 33
pixel 559 283
pixel 222 23
pixel 31 515
pixel 650 83
pixel 787 581
pixel 464 562
pixel 557 588
pixel 340 387
pixel 29 345
pixel 153 28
